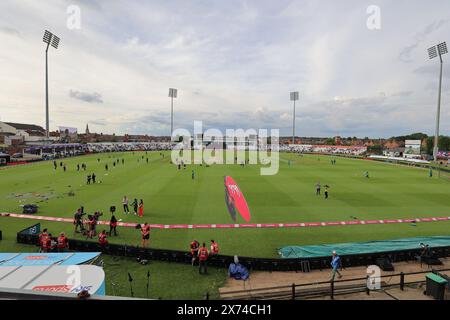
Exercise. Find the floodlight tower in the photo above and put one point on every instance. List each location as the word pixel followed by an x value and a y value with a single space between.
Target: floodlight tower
pixel 172 94
pixel 294 97
pixel 433 52
pixel 49 39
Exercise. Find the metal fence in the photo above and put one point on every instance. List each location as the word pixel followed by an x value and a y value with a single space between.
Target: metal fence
pixel 326 288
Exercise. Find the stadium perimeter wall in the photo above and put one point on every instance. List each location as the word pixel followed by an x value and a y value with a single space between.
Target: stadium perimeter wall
pixel 223 261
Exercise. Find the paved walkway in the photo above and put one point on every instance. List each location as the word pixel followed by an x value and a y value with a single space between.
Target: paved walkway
pixel 263 279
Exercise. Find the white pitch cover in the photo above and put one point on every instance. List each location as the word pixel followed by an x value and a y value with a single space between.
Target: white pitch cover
pixel 60 279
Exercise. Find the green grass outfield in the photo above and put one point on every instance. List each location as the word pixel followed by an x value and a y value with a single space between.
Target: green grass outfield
pixel 172 197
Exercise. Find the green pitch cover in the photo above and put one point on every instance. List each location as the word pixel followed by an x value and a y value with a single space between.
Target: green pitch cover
pixel 325 250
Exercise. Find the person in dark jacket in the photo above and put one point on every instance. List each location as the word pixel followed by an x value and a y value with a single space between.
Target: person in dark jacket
pixel 113 225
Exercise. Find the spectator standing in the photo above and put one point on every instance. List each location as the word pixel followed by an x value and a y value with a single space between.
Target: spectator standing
pixel 113 225
pixel 194 250
pixel 135 205
pixel 102 238
pixel 141 208
pixel 145 231
pixel 48 244
pixel 335 264
pixel 203 258
pixel 126 210
pixel 77 221
pixel 43 240
pixel 214 247
pixel 91 223
pixel 62 242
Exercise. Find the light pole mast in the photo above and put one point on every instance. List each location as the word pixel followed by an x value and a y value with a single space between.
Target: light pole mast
pixel 294 97
pixel 49 38
pixel 433 52
pixel 438 114
pixel 47 121
pixel 172 94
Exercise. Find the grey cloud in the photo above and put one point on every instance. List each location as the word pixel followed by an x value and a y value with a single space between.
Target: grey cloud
pixel 402 94
pixel 10 31
pixel 405 53
pixel 86 97
pixel 433 27
pixel 432 69
pixel 99 122
pixel 89 3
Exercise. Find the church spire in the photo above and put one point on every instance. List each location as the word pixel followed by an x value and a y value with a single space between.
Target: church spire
pixel 87 129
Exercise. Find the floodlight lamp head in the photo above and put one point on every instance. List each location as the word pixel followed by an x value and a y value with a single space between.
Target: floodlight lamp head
pixel 47 37
pixel 173 93
pixel 442 48
pixel 294 96
pixel 438 50
pixel 51 39
pixel 55 42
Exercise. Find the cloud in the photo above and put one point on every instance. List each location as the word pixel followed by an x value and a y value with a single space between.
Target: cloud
pixel 10 31
pixel 432 70
pixel 86 97
pixel 99 122
pixel 419 38
pixel 234 63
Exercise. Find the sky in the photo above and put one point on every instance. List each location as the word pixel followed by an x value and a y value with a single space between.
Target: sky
pixel 233 62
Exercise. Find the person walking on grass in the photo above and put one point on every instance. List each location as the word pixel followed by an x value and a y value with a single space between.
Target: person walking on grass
pixel 135 206
pixel 326 191
pixel 335 264
pixel 78 221
pixel 126 210
pixel 141 208
pixel 318 189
